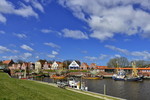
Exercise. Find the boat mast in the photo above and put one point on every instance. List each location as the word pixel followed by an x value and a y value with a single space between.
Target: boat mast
pixel 117 66
pixel 134 70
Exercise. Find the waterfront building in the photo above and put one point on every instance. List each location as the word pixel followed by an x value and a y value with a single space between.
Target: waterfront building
pixel 24 66
pixel 31 66
pixel 38 67
pixel 60 65
pixel 46 66
pixel 101 68
pixel 92 66
pixel 54 65
pixel 74 65
pixel 8 62
pixel 84 66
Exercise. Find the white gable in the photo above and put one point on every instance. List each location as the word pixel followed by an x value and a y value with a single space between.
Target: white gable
pixel 38 65
pixel 54 65
pixel 74 64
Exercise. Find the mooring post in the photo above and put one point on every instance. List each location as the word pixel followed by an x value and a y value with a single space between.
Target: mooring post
pixel 104 89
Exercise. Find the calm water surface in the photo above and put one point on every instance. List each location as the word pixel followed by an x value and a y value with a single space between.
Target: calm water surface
pixel 123 89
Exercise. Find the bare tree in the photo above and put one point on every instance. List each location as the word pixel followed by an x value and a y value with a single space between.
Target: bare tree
pixel 118 62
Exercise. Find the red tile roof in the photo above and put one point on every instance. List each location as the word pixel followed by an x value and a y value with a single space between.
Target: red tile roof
pixel 7 61
pixel 85 65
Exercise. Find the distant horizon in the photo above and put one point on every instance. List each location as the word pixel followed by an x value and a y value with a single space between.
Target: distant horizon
pixel 91 31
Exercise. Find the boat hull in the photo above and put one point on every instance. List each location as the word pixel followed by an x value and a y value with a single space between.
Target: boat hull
pixel 134 79
pixel 119 79
pixel 58 77
pixel 95 78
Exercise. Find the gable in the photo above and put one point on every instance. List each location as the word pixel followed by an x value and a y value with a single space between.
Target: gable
pixel 54 64
pixel 74 64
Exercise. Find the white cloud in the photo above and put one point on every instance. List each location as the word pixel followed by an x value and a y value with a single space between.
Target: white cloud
pixel 51 56
pixel 54 52
pixel 103 56
pixel 37 57
pixel 26 55
pixel 4 49
pixel 17 57
pixel 50 31
pixel 25 47
pixel 118 49
pixel 85 52
pixel 46 30
pixel 10 57
pixel 2 32
pixel 142 54
pixel 2 18
pixel 106 18
pixel 76 34
pixel 52 45
pixel 35 4
pixel 117 55
pixel 20 35
pixel 7 7
pixel 90 58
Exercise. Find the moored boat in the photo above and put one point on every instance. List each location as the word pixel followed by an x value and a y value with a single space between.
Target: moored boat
pixel 134 76
pixel 120 76
pixel 95 78
pixel 57 77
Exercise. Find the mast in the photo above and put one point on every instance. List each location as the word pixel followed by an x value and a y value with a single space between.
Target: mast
pixel 117 66
pixel 134 70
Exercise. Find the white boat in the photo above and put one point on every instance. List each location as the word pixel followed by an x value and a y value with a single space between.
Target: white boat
pixel 120 76
pixel 77 84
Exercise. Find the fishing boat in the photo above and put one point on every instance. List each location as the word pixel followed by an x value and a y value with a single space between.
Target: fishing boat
pixel 57 77
pixel 134 76
pixel 95 78
pixel 77 84
pixel 120 76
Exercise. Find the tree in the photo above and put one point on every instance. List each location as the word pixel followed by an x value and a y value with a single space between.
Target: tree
pixel 142 63
pixel 19 61
pixel 118 62
pixel 66 63
pixel 42 61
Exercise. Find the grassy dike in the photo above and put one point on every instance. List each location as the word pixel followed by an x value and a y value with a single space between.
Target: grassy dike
pixel 16 89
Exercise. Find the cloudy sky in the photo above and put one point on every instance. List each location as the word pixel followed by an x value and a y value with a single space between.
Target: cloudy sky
pixel 85 30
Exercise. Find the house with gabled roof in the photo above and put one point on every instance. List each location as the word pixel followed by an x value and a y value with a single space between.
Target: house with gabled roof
pixel 92 66
pixel 84 66
pixel 54 65
pixel 38 66
pixel 46 66
pixel 8 62
pixel 74 65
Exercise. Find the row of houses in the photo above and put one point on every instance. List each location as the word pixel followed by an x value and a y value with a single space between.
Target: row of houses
pixel 46 66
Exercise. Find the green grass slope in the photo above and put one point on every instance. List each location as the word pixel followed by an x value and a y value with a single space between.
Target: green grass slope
pixel 16 89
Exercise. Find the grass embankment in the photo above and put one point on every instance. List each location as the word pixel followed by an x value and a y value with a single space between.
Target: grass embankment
pixel 16 89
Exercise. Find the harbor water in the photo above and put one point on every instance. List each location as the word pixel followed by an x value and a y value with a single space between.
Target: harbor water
pixel 124 89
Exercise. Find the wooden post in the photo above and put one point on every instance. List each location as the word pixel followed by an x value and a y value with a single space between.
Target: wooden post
pixel 104 89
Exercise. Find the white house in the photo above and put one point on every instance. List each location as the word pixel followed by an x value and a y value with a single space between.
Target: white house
pixel 54 65
pixel 46 66
pixel 74 65
pixel 37 67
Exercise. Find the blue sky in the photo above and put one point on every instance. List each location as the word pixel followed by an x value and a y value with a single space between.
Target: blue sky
pixel 85 30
